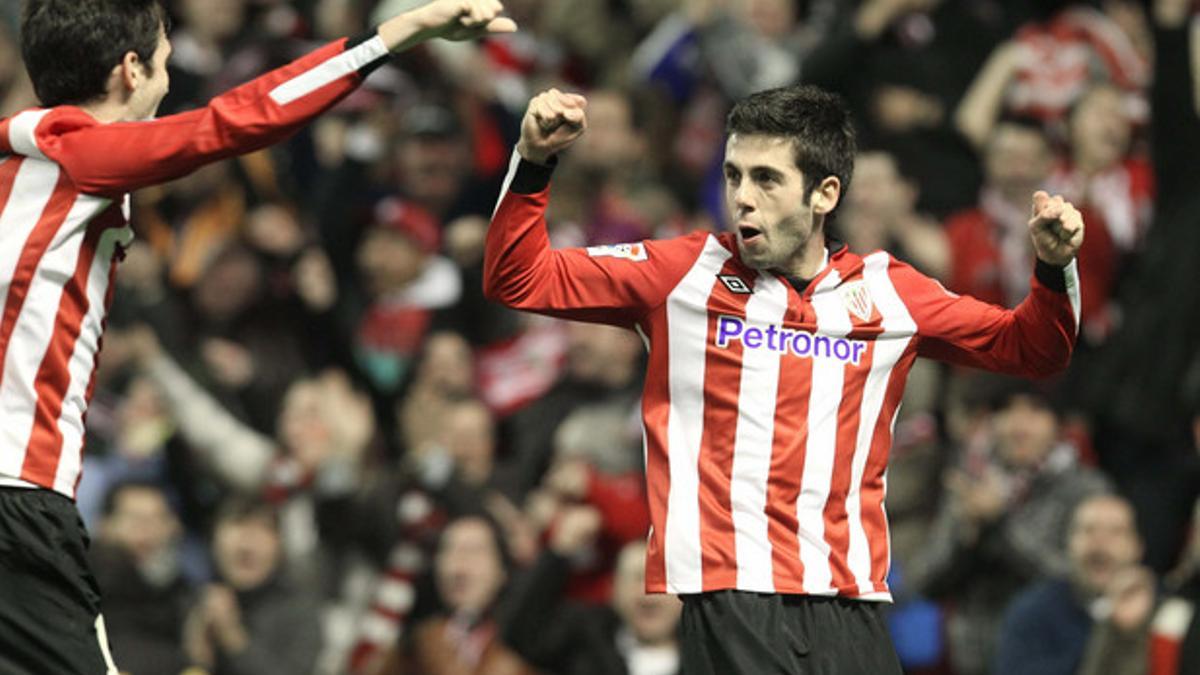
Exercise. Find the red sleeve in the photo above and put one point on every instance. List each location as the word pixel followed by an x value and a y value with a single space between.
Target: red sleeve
pixel 1033 340
pixel 116 158
pixel 604 284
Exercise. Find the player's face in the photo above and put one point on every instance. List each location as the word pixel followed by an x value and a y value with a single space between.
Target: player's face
pixel 764 192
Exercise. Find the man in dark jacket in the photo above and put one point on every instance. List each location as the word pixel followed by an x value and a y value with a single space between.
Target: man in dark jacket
pixel 252 622
pixel 636 634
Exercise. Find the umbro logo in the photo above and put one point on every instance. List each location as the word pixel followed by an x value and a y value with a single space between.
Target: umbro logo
pixel 735 284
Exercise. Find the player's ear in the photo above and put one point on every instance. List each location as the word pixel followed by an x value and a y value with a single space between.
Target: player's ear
pixel 826 195
pixel 132 71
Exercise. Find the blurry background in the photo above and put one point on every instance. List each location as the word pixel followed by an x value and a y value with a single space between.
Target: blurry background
pixel 315 447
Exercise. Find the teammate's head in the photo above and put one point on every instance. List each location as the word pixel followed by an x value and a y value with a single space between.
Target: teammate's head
pixel 788 161
pixel 83 51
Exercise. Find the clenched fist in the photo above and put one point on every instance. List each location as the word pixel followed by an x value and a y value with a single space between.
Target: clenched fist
pixel 447 19
pixel 553 121
pixel 1056 228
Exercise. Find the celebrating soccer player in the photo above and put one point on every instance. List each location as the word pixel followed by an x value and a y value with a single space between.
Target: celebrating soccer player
pixel 99 68
pixel 777 363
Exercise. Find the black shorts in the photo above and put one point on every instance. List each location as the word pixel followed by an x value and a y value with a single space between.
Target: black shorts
pixel 49 601
pixel 728 632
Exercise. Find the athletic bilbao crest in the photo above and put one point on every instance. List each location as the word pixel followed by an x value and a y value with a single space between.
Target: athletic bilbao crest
pixel 857 300
pixel 634 252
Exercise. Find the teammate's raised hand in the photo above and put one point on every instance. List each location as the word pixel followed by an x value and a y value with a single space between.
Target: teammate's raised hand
pixel 447 19
pixel 553 121
pixel 1056 228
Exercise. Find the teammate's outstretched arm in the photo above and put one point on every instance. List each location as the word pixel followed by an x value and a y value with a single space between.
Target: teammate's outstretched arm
pixel 608 284
pixel 112 159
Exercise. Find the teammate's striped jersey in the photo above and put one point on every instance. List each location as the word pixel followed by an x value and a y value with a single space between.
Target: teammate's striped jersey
pixel 64 220
pixel 768 411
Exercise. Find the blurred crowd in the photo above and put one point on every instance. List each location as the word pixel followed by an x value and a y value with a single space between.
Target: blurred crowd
pixel 315 447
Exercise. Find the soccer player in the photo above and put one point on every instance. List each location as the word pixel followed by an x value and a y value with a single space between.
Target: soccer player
pixel 777 362
pixel 99 68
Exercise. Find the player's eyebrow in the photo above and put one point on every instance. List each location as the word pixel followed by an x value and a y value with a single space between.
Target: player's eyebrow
pixel 767 172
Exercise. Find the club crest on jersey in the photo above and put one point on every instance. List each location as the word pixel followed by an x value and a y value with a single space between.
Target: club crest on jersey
pixel 735 284
pixel 857 299
pixel 634 252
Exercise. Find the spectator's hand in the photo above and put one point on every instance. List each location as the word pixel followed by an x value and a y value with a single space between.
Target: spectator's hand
pixel 1056 228
pixel 1131 593
pixel 197 640
pixel 575 529
pixel 465 239
pixel 142 344
pixel 981 499
pixel 553 121
pixel 142 270
pixel 874 16
pixel 519 533
pixel 352 420
pixel 224 619
pixel 448 19
pixel 900 109
pixel 315 282
pixel 1171 13
pixel 231 363
pixel 568 479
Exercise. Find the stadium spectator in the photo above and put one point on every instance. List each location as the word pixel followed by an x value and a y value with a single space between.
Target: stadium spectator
pixel 252 620
pixel 989 247
pixel 405 284
pixel 882 215
pixel 1002 523
pixel 469 572
pixel 1102 170
pixel 137 562
pixel 632 634
pixel 1050 63
pixel 602 369
pixel 903 66
pixel 1092 620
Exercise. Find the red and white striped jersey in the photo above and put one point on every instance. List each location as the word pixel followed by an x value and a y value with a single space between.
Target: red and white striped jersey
pixel 64 220
pixel 768 412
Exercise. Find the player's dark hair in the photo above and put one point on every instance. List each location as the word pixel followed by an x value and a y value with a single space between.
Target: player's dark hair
pixel 71 46
pixel 818 122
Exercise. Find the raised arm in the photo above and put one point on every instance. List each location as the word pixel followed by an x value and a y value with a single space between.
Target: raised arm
pixel 1035 339
pixel 605 284
pixel 110 159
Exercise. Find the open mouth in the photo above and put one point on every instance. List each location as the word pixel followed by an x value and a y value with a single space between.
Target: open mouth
pixel 748 232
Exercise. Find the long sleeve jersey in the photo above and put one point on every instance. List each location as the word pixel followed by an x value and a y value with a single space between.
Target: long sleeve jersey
pixel 64 221
pixel 768 411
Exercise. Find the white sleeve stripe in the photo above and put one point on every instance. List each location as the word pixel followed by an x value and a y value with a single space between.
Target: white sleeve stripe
pixel 513 163
pixel 22 133
pixel 330 71
pixel 1071 274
